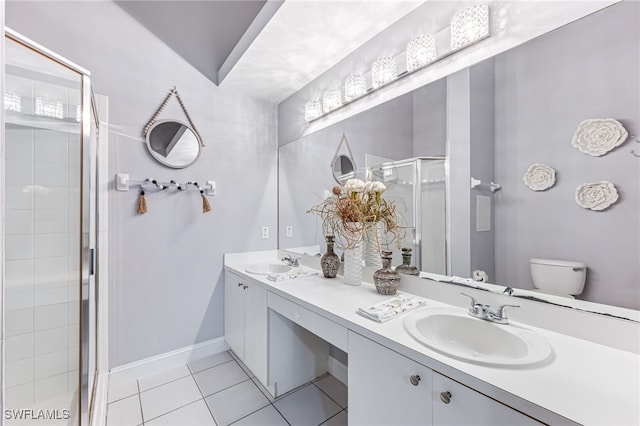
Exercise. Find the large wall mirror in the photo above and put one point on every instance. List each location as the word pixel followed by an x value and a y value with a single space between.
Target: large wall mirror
pixel 491 122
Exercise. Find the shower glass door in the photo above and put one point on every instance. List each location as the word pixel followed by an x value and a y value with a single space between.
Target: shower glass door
pixel 417 186
pixel 47 236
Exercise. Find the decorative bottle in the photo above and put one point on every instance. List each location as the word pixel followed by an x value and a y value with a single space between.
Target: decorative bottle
pixel 406 267
pixel 330 262
pixel 386 279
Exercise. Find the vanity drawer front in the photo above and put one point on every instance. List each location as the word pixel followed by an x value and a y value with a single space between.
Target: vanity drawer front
pixel 317 324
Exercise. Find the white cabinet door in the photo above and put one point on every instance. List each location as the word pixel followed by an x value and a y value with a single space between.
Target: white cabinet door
pixel 255 327
pixel 465 406
pixel 384 388
pixel 234 312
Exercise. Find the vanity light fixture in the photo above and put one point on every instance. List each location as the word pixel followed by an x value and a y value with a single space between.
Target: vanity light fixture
pixel 469 25
pixel 312 110
pixel 12 102
pixel 420 51
pixel 331 99
pixel 49 107
pixel 383 71
pixel 354 86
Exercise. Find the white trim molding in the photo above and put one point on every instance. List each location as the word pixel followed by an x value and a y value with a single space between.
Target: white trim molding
pixel 167 360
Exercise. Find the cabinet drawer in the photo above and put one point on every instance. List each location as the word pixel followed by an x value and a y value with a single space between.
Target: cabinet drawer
pixel 317 324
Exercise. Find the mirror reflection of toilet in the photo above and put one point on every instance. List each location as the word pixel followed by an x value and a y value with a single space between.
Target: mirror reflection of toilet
pixel 558 277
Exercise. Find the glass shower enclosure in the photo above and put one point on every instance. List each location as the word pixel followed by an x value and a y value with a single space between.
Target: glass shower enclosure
pixel 418 186
pixel 49 237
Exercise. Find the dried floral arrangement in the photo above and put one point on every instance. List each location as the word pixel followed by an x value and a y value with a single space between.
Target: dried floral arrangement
pixel 355 208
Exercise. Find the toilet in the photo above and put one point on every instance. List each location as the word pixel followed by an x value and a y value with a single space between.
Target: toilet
pixel 558 277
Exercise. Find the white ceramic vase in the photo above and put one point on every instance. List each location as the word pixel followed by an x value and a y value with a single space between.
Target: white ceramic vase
pixel 353 265
pixel 372 245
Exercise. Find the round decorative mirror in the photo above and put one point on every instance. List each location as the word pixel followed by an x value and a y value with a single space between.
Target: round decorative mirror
pixel 173 144
pixel 343 169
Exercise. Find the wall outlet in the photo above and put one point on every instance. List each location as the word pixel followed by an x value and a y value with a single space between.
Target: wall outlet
pixel 289 231
pixel 265 232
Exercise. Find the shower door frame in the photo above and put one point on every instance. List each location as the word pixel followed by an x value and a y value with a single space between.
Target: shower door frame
pixel 88 257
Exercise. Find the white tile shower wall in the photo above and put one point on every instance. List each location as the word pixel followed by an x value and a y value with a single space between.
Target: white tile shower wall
pixel 41 269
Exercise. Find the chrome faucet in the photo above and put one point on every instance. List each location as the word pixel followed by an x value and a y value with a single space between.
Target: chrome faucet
pixel 291 261
pixel 508 291
pixel 484 312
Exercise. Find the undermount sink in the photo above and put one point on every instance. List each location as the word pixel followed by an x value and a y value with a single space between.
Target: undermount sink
pixel 267 269
pixel 454 333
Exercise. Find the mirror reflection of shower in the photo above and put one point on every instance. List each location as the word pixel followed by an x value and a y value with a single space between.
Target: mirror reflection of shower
pixel 418 188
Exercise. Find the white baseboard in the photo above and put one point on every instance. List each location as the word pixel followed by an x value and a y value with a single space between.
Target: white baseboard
pixel 167 360
pixel 338 370
pixel 99 412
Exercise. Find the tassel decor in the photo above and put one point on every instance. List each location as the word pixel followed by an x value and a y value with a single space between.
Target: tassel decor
pixel 206 207
pixel 142 203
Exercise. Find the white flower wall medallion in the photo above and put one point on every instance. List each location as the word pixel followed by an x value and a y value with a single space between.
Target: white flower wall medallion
pixel 539 177
pixel 596 195
pixel 596 137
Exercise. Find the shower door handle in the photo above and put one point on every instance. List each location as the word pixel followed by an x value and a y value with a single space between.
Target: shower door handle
pixel 92 255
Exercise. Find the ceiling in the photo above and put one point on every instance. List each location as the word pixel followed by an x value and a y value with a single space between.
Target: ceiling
pixel 265 48
pixel 203 32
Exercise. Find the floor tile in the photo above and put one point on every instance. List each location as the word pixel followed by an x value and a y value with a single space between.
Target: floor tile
pixel 236 402
pixel 168 397
pixel 125 412
pixel 268 416
pixel 337 420
pixel 208 362
pixel 194 414
pixel 220 377
pixel 245 368
pixel 122 390
pixel 163 377
pixel 307 406
pixel 264 390
pixel 334 388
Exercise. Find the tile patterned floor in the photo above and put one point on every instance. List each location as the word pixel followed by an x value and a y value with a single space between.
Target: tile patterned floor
pixel 220 390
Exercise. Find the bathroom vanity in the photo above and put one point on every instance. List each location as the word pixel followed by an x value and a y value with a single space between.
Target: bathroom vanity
pixel 282 331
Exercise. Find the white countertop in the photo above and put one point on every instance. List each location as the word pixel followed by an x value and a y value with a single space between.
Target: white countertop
pixel 585 382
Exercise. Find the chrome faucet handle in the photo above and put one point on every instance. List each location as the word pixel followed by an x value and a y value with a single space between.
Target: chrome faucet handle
pixel 508 291
pixel 474 302
pixel 499 315
pixel 291 261
pixel 476 309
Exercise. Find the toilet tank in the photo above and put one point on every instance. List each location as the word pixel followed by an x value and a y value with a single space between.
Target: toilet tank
pixel 558 276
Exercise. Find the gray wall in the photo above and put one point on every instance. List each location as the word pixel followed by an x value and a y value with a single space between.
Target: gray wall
pixel 588 69
pixel 430 119
pixel 384 131
pixel 166 288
